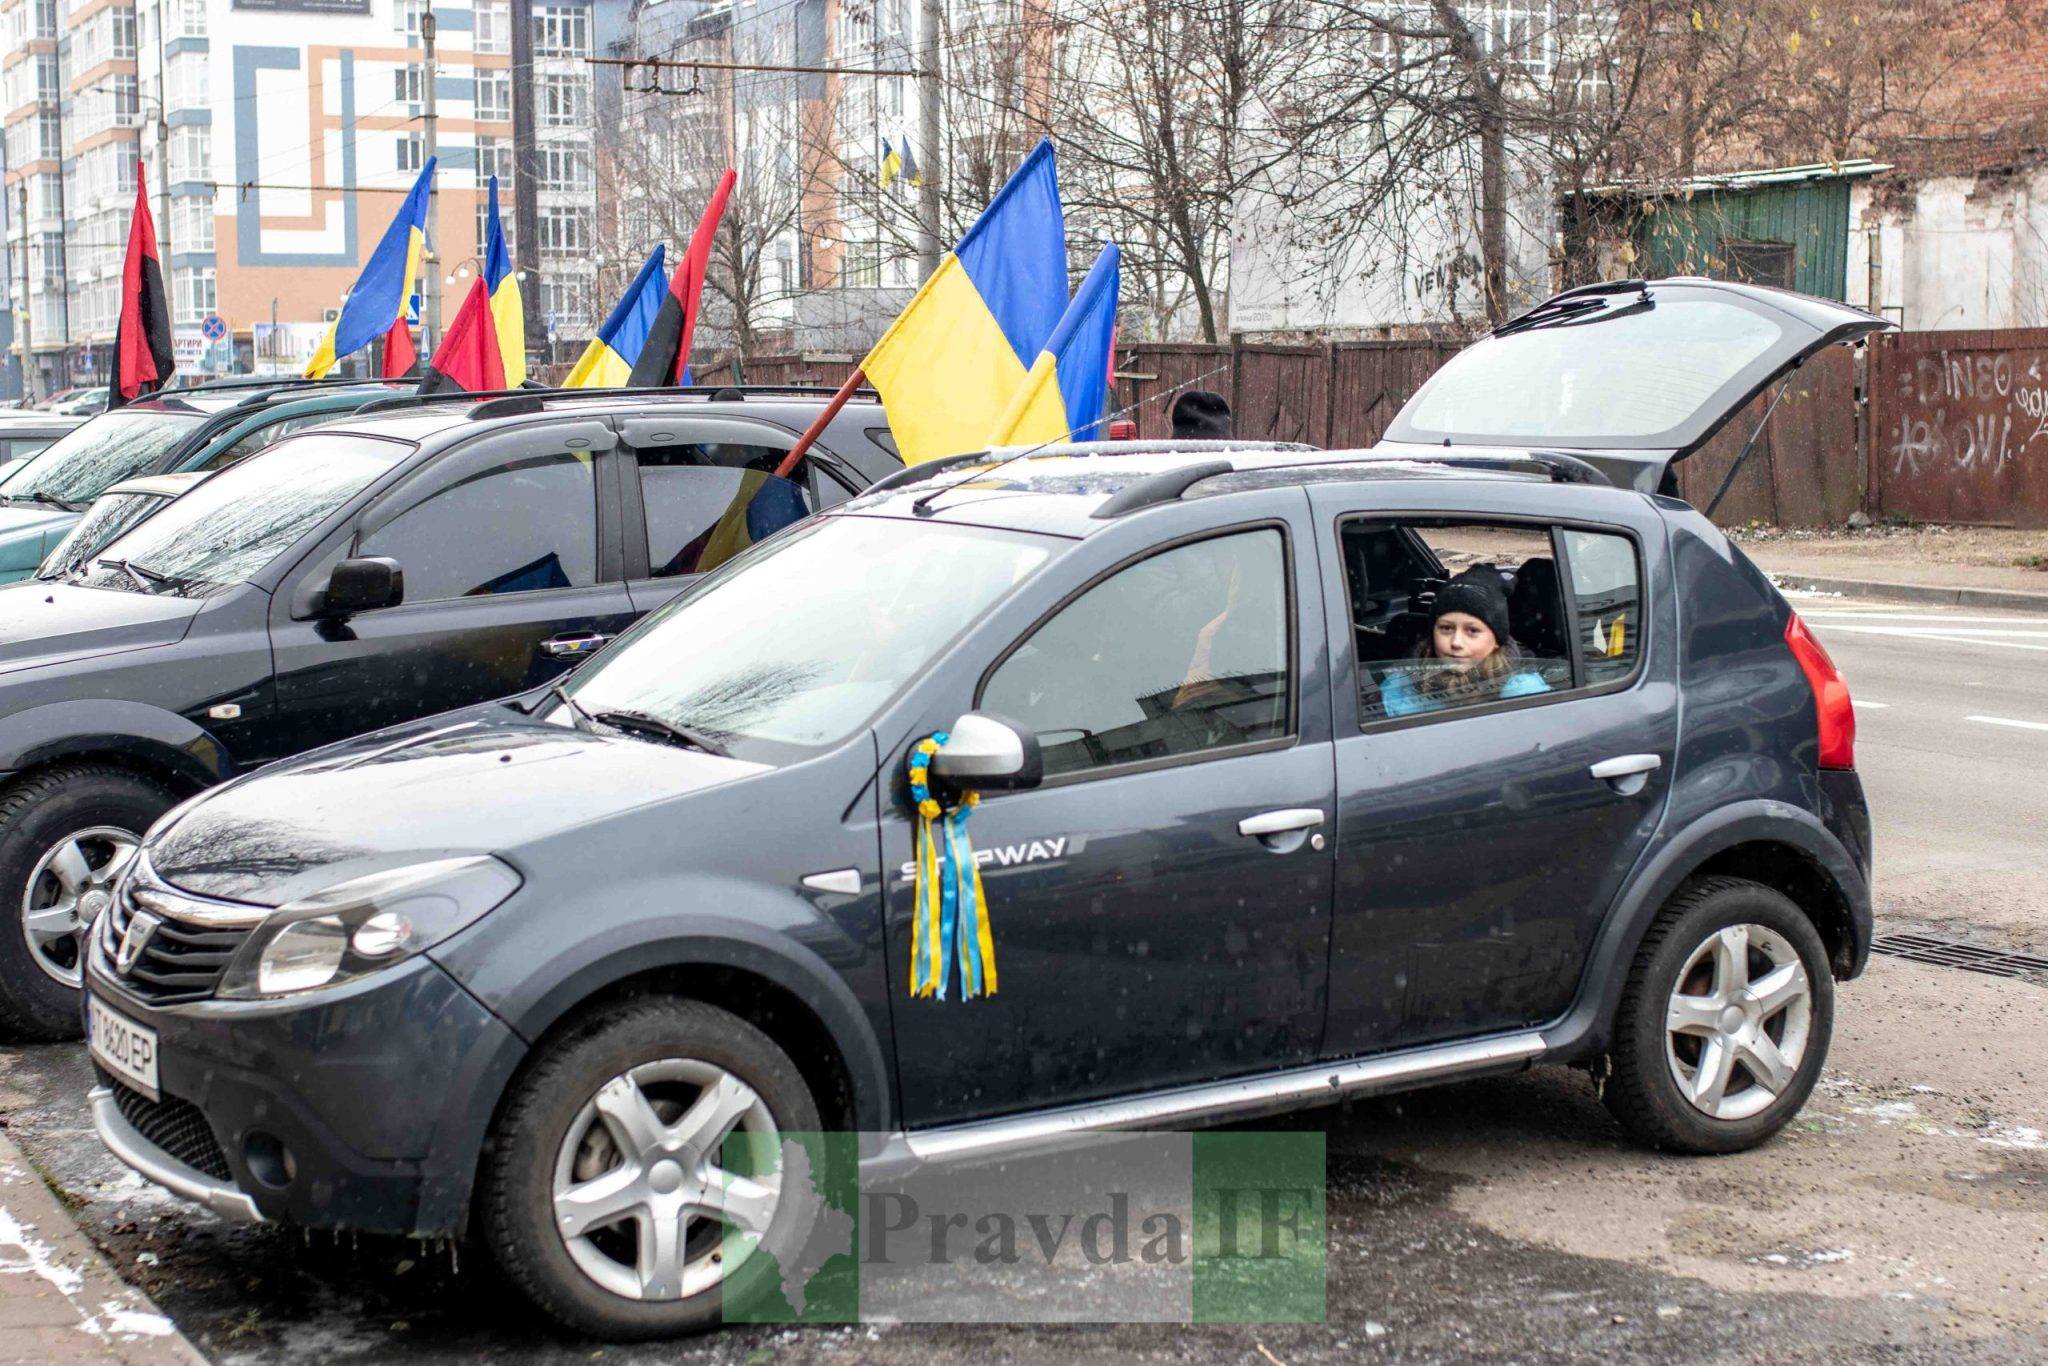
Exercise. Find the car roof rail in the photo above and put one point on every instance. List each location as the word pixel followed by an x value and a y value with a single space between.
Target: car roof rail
pixel 1555 466
pixel 269 382
pixel 530 398
pixel 1160 488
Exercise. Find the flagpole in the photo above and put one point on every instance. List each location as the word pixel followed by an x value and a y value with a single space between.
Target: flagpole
pixel 819 423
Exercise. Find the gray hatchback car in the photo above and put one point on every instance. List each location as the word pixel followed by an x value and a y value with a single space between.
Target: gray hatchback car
pixel 1303 775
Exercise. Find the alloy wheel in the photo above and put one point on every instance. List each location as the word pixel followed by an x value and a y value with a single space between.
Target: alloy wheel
pixel 642 1196
pixel 1737 1024
pixel 68 888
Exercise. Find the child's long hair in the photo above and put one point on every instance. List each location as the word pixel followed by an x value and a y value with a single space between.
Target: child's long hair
pixel 1480 683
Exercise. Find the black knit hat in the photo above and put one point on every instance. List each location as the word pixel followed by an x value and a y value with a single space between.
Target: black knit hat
pixel 1477 592
pixel 1199 415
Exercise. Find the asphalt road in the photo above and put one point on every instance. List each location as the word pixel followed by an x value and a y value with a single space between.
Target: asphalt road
pixel 1903 1216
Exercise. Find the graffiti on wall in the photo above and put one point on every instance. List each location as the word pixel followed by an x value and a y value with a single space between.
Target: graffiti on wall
pixel 1969 411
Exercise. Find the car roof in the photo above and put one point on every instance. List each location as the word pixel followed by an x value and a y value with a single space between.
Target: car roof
pixel 157 485
pixel 1075 490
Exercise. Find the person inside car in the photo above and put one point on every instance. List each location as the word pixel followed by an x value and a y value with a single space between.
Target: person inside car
pixel 1470 657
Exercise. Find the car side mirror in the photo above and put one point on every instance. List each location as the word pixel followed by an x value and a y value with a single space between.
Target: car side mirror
pixel 985 753
pixel 362 585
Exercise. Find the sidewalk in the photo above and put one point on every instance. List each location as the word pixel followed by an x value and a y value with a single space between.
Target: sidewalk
pixel 59 1300
pixel 1977 567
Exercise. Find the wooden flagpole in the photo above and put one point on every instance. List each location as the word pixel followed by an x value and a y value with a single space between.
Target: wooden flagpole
pixel 818 424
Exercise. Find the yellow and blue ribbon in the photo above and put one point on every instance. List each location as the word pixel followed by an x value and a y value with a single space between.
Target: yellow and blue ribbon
pixel 949 928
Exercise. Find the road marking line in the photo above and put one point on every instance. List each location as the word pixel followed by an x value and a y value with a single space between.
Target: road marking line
pixel 1869 706
pixel 1898 633
pixel 2017 618
pixel 2007 721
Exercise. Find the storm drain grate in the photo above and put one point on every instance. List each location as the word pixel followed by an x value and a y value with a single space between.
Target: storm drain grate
pixel 1948 953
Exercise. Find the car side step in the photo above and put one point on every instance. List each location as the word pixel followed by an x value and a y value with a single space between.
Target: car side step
pixel 1239 1098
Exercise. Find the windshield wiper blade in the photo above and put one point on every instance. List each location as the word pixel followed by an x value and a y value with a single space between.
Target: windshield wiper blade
pixel 577 715
pixel 669 730
pixel 1579 305
pixel 146 579
pixel 46 499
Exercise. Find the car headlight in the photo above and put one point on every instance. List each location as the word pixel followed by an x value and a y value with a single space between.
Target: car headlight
pixel 364 925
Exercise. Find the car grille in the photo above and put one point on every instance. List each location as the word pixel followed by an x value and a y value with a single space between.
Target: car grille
pixel 180 960
pixel 173 1125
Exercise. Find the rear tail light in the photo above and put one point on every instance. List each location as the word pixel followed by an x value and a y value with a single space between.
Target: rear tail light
pixel 1830 696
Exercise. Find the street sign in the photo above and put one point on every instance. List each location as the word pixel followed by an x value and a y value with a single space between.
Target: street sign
pixel 212 327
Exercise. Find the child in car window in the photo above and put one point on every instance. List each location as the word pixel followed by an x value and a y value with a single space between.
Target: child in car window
pixel 1470 656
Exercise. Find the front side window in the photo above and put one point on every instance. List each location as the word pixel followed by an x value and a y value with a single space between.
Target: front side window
pixel 1180 653
pixel 521 527
pixel 706 502
pixel 798 644
pixel 81 464
pixel 234 523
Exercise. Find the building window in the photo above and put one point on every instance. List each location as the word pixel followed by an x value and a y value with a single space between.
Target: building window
pixel 863 268
pixel 192 154
pixel 406 16
pixel 412 153
pixel 563 101
pixel 188 19
pixel 561 302
pixel 185 83
pixel 50 132
pixel 122 22
pixel 483 223
pixel 191 224
pixel 493 28
pixel 409 85
pixel 46 77
pixel 194 295
pixel 46 18
pixel 563 232
pixel 48 200
pixel 494 96
pixel 564 169
pixel 494 158
pixel 559 31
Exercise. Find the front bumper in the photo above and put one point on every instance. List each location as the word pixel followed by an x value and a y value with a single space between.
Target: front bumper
pixel 363 1107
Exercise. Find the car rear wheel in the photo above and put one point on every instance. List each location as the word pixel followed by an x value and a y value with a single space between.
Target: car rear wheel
pixel 634 1185
pixel 64 835
pixel 1725 1022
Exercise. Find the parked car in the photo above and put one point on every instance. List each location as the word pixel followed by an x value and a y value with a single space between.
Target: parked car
pixel 111 514
pixel 89 401
pixel 199 429
pixel 350 577
pixel 23 434
pixel 523 968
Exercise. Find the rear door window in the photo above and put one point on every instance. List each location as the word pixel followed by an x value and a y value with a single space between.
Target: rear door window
pixel 1607 603
pixel 705 502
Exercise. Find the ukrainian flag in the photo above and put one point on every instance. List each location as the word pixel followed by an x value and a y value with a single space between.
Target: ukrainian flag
pixel 381 292
pixel 911 172
pixel 607 363
pixel 1063 397
pixel 508 310
pixel 892 164
pixel 949 365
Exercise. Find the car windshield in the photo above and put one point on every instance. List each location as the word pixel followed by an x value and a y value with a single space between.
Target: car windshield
pixel 1629 376
pixel 80 465
pixel 113 514
pixel 796 645
pixel 239 520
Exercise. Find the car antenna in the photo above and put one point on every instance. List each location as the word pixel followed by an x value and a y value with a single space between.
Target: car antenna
pixel 922 504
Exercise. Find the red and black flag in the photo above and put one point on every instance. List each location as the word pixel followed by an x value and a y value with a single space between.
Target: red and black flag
pixel 142 338
pixel 467 357
pixel 665 358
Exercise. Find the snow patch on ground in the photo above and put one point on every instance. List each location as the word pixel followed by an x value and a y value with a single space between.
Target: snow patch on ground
pixel 37 1257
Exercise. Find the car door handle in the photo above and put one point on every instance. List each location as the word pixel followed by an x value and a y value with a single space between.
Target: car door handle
pixel 1280 822
pixel 1626 766
pixel 572 647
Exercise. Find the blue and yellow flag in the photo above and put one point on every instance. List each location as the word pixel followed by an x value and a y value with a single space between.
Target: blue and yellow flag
pixel 607 363
pixel 892 164
pixel 382 292
pixel 508 310
pixel 910 169
pixel 1064 395
pixel 956 355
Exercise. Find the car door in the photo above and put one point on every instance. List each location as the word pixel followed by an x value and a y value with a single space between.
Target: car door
pixel 1147 934
pixel 1478 844
pixel 697 490
pixel 510 562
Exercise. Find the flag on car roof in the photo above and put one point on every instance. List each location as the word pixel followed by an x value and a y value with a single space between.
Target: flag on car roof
pixel 956 355
pixel 376 306
pixel 665 359
pixel 468 355
pixel 1064 395
pixel 607 363
pixel 143 359
pixel 508 309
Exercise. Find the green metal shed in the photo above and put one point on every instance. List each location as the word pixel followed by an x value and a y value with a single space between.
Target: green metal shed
pixel 1788 226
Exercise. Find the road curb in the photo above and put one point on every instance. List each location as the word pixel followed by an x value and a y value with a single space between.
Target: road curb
pixel 2003 599
pixel 59 1299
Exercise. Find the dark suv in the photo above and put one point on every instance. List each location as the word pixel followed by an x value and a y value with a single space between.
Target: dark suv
pixel 1250 837
pixel 359 575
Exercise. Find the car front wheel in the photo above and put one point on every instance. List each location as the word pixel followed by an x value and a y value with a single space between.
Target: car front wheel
pixel 636 1185
pixel 1725 1022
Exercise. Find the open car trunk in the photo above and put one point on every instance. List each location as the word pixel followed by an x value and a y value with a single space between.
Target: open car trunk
pixel 1630 376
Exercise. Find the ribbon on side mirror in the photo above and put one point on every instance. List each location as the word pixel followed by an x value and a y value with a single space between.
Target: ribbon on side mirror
pixel 949 927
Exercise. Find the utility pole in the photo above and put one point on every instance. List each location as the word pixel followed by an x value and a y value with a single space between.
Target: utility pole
pixel 526 178
pixel 430 311
pixel 163 143
pixel 28 370
pixel 932 17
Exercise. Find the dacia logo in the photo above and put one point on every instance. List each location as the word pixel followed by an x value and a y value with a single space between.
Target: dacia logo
pixel 1008 855
pixel 134 940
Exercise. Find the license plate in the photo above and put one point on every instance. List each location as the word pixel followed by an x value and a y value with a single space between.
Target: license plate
pixel 123 1047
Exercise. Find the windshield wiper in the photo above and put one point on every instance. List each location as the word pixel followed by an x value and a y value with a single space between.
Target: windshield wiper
pixel 46 499
pixel 148 580
pixel 667 730
pixel 1575 307
pixel 576 713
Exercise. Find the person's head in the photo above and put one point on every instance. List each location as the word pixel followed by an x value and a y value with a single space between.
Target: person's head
pixel 1469 629
pixel 1199 415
